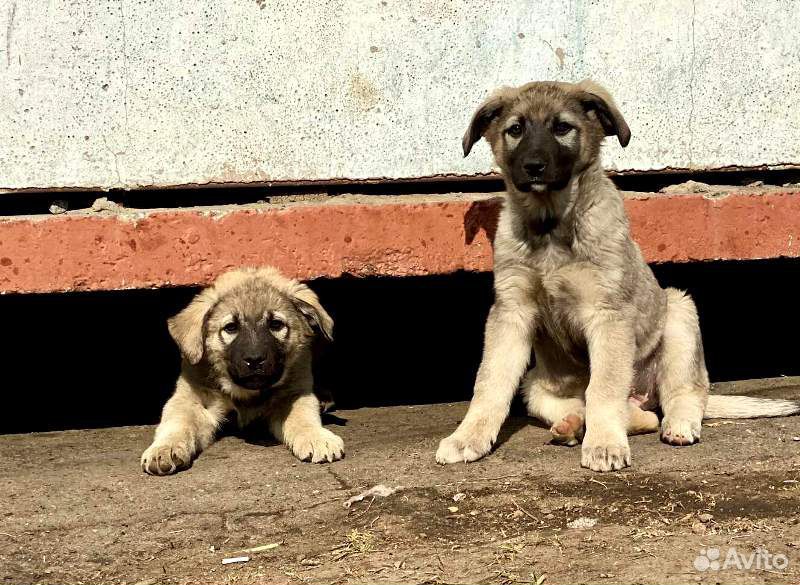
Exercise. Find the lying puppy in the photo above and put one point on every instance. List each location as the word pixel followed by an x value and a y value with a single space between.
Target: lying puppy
pixel 572 286
pixel 246 343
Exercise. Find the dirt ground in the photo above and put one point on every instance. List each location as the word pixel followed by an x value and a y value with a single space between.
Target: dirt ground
pixel 76 508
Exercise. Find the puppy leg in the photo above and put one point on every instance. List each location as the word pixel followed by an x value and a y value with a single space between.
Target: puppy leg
pixel 611 354
pixel 566 415
pixel 682 378
pixel 569 430
pixel 186 428
pixel 507 350
pixel 545 402
pixel 297 424
pixel 640 421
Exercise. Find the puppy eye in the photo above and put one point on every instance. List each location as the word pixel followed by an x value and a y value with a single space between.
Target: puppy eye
pixel 515 130
pixel 231 328
pixel 276 325
pixel 562 128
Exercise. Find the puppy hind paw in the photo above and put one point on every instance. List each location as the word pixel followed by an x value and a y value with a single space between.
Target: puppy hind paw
pixel 568 431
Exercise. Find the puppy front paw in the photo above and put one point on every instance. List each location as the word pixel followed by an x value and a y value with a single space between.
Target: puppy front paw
pixel 317 446
pixel 680 431
pixel 166 459
pixel 463 447
pixel 605 451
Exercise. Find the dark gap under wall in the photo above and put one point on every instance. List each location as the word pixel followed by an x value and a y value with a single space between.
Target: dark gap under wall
pixel 105 359
pixel 39 202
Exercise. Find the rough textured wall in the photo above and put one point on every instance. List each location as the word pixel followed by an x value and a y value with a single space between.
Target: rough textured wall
pixel 151 93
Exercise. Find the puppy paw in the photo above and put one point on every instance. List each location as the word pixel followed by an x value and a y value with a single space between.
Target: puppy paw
pixel 166 459
pixel 568 431
pixel 457 449
pixel 605 451
pixel 680 431
pixel 318 446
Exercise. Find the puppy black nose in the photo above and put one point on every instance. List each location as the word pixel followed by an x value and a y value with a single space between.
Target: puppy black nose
pixel 534 168
pixel 254 362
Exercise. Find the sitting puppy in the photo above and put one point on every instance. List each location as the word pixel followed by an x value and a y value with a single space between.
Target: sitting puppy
pixel 572 288
pixel 246 343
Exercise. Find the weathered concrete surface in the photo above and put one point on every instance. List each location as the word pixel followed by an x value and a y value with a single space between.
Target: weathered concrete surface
pixel 77 508
pixel 358 235
pixel 134 94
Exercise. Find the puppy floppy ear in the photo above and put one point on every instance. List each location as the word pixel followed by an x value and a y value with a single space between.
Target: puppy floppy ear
pixel 188 327
pixel 308 304
pixel 595 98
pixel 481 119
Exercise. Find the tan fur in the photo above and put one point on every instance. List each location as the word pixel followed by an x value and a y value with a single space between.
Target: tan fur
pixel 205 395
pixel 581 298
pixel 610 344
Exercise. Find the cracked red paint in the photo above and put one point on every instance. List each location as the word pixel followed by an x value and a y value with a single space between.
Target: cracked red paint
pixel 398 236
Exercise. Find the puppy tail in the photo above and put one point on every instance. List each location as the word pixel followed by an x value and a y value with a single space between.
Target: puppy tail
pixel 749 407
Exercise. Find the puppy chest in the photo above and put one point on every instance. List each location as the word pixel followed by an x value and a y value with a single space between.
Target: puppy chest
pixel 558 323
pixel 565 298
pixel 568 290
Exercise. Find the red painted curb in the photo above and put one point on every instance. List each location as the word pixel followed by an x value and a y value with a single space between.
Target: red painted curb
pixel 361 236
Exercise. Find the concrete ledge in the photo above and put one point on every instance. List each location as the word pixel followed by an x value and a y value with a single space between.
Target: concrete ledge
pixel 357 235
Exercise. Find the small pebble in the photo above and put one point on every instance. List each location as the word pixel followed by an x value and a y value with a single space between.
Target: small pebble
pixel 699 528
pixel 453 509
pixel 105 204
pixel 58 206
pixel 582 522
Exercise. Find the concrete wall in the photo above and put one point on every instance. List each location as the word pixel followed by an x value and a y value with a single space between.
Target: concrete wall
pixel 155 93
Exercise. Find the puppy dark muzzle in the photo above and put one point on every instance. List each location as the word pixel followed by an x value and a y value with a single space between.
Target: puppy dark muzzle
pixel 256 360
pixel 257 380
pixel 257 372
pixel 535 168
pixel 539 162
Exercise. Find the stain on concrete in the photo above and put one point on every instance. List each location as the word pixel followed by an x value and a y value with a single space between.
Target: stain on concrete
pixel 560 56
pixel 364 91
pixel 9 32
